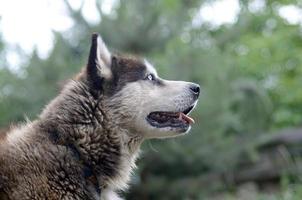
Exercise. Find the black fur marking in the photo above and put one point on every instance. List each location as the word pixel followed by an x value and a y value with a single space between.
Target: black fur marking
pixel 92 70
pixel 126 70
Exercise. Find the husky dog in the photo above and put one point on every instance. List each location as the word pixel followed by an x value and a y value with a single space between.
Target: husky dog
pixel 85 142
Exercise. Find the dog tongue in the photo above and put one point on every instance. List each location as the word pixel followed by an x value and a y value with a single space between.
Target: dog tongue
pixel 188 119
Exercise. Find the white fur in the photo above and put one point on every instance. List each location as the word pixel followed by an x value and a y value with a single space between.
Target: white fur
pixel 103 59
pixel 18 135
pixel 108 194
pixel 150 68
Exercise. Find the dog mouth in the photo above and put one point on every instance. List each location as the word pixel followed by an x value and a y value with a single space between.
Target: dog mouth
pixel 163 119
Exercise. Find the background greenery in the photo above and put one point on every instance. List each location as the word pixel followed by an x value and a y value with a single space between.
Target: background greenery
pixel 251 77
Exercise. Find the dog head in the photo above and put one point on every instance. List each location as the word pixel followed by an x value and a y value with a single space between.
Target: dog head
pixel 136 98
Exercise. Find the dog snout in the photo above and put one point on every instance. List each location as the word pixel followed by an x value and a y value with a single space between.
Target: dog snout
pixel 195 89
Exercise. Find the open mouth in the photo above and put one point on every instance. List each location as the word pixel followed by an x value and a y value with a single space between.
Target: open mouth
pixel 161 119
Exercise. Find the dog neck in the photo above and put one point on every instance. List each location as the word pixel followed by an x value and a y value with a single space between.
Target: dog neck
pixel 108 149
pixel 110 155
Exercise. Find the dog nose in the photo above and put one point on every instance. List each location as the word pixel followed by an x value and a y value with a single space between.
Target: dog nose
pixel 195 89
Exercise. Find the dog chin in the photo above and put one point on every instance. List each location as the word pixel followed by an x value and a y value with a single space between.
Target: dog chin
pixel 167 132
pixel 180 130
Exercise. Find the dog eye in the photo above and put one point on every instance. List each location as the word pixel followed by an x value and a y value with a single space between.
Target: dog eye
pixel 150 77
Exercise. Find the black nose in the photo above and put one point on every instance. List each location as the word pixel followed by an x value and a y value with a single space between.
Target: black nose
pixel 195 89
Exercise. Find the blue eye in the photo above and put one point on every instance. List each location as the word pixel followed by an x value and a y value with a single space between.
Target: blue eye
pixel 150 77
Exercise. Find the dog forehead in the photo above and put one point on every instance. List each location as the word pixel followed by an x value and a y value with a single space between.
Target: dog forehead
pixel 128 69
pixel 130 64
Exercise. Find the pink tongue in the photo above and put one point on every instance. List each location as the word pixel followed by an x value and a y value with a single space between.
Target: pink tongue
pixel 188 119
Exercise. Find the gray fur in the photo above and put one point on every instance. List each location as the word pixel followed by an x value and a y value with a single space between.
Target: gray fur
pixel 85 142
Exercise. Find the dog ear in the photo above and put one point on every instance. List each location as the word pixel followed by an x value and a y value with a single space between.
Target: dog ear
pixel 99 60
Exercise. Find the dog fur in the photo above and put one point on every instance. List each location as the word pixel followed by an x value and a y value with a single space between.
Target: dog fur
pixel 85 142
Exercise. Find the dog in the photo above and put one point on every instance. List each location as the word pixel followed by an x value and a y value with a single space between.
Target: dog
pixel 85 142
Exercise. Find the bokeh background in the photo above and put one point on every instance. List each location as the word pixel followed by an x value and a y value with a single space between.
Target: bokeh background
pixel 246 55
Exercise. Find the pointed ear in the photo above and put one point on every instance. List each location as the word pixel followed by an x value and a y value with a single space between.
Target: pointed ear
pixel 99 60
